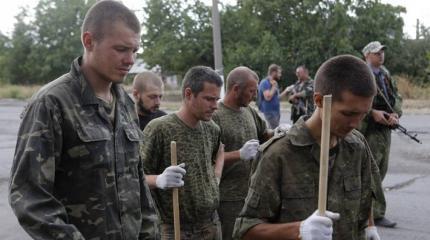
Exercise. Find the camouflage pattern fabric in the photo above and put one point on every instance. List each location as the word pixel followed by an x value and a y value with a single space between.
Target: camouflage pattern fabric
pixel 305 104
pixel 197 148
pixel 74 175
pixel 379 136
pixel 237 127
pixel 204 230
pixel 284 187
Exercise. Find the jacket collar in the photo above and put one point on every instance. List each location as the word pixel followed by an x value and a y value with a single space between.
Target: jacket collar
pixel 87 93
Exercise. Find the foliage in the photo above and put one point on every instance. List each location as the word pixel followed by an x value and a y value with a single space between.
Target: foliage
pixel 256 33
pixel 43 49
pixel 177 34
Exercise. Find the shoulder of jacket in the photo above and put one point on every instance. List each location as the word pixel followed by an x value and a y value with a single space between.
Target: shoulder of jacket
pixel 263 147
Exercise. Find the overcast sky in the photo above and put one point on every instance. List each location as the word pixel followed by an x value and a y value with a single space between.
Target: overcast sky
pixel 415 9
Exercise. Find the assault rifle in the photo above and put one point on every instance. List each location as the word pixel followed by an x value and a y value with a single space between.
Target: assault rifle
pixel 404 131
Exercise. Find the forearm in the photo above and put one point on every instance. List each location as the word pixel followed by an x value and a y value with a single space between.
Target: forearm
pixel 371 221
pixel 268 94
pixel 279 231
pixel 39 208
pixel 151 179
pixel 231 157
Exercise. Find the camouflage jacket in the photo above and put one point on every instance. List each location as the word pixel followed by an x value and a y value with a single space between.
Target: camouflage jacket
pixel 393 98
pixel 284 187
pixel 75 175
pixel 305 103
pixel 237 127
pixel 197 148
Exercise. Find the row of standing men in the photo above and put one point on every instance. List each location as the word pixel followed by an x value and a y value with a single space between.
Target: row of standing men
pixel 79 164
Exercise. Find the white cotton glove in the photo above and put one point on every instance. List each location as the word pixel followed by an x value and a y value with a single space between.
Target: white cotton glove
pixel 171 177
pixel 372 233
pixel 249 150
pixel 317 227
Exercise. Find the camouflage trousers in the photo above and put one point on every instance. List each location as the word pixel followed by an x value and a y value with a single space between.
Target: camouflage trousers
pixel 209 229
pixel 228 212
pixel 379 142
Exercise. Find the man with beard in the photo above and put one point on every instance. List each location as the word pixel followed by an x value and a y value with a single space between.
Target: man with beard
pixel 198 139
pixel 147 92
pixel 268 96
pixel 242 131
pixel 283 192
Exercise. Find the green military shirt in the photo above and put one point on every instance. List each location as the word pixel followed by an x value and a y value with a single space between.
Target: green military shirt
pixel 237 127
pixel 284 187
pixel 197 148
pixel 74 175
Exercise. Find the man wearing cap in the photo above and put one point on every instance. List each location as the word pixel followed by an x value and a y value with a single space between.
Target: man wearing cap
pixel 377 125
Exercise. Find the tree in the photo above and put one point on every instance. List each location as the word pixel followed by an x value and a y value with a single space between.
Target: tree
pixel 4 52
pixel 57 27
pixel 18 63
pixel 178 35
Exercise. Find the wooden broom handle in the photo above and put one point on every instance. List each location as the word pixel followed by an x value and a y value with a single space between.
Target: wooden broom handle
pixel 175 194
pixel 324 155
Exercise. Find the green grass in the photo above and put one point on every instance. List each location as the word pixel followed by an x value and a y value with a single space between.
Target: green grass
pixel 17 91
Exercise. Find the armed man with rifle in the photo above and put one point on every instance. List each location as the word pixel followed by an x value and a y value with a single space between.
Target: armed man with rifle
pixel 300 94
pixel 384 116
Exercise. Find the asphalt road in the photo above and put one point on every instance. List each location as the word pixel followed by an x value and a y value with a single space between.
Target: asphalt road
pixel 407 182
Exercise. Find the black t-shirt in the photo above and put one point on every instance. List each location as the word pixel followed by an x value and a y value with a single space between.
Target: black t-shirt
pixel 144 120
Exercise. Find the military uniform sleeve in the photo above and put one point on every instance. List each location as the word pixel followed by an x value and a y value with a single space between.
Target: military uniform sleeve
pixel 150 219
pixel 150 149
pixel 260 124
pixel 38 149
pixel 308 90
pixel 399 100
pixel 263 202
pixel 375 178
pixel 216 142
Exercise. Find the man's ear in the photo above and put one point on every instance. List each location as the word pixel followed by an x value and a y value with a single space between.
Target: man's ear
pixel 318 99
pixel 236 88
pixel 136 94
pixel 187 93
pixel 88 41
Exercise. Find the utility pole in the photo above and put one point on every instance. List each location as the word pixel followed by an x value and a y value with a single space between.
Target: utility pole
pixel 417 36
pixel 216 34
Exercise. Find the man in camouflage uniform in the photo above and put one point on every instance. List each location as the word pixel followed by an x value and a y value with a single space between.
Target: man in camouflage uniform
pixel 301 94
pixel 377 126
pixel 147 92
pixel 198 139
pixel 283 193
pixel 242 130
pixel 77 172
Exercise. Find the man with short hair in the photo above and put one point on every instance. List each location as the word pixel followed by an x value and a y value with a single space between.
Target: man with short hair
pixel 377 125
pixel 301 94
pixel 198 139
pixel 148 90
pixel 77 173
pixel 242 131
pixel 268 96
pixel 283 193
